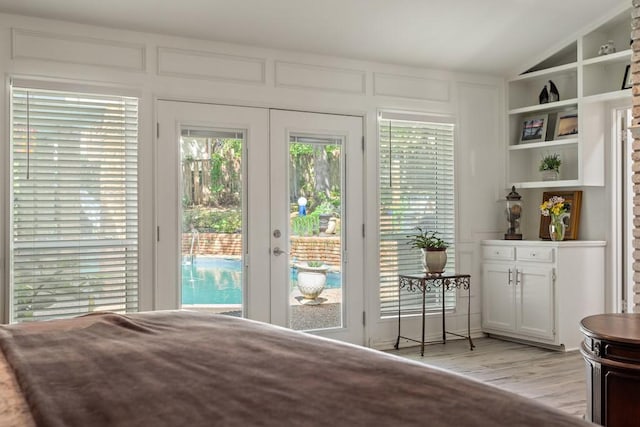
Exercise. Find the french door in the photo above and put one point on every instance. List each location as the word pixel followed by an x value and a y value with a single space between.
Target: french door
pixel 259 214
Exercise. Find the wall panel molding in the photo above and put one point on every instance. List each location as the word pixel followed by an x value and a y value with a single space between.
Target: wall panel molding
pixel 316 77
pixel 210 65
pixel 427 89
pixel 479 107
pixel 29 44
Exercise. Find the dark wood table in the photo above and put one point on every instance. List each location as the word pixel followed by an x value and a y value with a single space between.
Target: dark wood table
pixel 426 283
pixel 611 350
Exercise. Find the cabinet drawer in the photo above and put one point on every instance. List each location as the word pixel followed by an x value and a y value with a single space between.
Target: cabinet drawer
pixel 498 252
pixel 534 254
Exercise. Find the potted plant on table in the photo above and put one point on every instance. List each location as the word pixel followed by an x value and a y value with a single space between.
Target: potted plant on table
pixel 434 250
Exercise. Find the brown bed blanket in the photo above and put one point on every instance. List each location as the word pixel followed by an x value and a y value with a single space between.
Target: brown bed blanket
pixel 184 368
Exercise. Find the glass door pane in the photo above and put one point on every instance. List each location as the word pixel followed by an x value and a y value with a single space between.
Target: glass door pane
pixel 315 255
pixel 211 164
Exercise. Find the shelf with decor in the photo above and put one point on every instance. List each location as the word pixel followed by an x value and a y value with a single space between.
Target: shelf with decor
pixel 544 144
pixel 615 31
pixel 607 74
pixel 558 106
pixel 525 165
pixel 548 125
pixel 525 91
pixel 539 133
pixel 545 107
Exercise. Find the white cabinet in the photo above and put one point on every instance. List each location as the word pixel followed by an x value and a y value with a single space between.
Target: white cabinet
pixel 539 291
pixel 585 81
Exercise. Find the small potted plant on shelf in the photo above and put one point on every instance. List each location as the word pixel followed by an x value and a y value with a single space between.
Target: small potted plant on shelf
pixel 434 250
pixel 550 167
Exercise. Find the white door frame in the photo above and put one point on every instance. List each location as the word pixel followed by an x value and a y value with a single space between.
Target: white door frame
pixel 261 301
pixel 171 117
pixel 283 124
pixel 622 224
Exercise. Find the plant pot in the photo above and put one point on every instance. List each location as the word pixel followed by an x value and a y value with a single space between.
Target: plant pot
pixel 311 280
pixel 324 222
pixel 434 260
pixel 550 175
pixel 332 226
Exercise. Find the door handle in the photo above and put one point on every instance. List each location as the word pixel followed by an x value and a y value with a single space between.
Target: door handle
pixel 277 251
pixel 510 279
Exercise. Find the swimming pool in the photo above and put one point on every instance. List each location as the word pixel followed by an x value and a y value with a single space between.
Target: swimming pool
pixel 219 281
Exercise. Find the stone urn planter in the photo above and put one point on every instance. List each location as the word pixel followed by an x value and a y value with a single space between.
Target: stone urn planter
pixel 311 279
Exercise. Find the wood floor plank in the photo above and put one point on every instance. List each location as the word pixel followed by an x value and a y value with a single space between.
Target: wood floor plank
pixel 554 378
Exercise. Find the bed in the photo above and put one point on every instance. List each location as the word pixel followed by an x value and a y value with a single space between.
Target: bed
pixel 182 368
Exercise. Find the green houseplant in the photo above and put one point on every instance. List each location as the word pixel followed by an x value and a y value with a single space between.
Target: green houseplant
pixel 434 250
pixel 550 167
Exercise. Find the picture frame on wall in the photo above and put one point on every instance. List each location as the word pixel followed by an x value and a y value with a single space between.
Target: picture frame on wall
pixel 627 81
pixel 566 124
pixel 572 222
pixel 533 129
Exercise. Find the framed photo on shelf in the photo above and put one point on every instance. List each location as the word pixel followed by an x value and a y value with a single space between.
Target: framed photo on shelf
pixel 534 129
pixel 573 199
pixel 627 81
pixel 566 124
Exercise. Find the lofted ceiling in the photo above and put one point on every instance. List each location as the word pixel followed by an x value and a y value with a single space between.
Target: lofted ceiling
pixel 498 37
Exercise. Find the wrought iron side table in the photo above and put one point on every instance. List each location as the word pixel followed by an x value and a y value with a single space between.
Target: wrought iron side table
pixel 426 283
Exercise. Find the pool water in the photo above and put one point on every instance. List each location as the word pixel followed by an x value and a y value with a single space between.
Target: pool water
pixel 219 281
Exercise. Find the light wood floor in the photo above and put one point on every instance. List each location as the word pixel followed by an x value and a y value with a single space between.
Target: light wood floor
pixel 555 378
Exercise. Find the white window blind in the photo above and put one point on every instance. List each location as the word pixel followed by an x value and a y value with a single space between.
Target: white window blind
pixel 416 165
pixel 74 207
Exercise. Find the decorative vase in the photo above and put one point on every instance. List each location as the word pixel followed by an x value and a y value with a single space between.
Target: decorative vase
pixel 556 228
pixel 311 280
pixel 434 260
pixel 550 175
pixel 324 222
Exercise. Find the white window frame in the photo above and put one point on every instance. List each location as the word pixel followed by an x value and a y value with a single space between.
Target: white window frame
pixel 37 85
pixel 388 277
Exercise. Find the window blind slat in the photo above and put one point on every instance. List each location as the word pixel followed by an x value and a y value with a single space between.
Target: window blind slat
pixel 74 203
pixel 416 165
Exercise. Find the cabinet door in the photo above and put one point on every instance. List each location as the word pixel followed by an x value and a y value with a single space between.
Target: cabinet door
pixel 535 301
pixel 498 304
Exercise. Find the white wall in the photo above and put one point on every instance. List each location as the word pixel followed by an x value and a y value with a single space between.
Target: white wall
pixel 161 67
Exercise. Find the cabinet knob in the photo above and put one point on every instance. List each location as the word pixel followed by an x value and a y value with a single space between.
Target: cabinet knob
pixel 533 254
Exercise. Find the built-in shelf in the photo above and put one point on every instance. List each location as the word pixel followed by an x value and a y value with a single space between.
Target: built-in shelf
pixel 544 107
pixel 547 184
pixel 623 56
pixel 609 96
pixel 549 72
pixel 544 144
pixel 586 81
